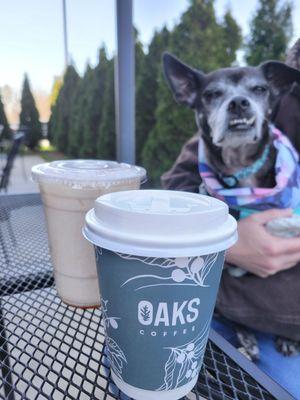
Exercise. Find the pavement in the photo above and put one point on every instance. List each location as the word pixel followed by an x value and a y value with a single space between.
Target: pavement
pixel 20 178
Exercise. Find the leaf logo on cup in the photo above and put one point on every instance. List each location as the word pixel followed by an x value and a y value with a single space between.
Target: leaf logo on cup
pixel 185 271
pixel 145 312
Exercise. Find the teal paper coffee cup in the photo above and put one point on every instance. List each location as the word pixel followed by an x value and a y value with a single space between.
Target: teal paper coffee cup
pixel 159 258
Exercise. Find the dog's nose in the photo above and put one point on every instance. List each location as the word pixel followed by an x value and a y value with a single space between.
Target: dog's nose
pixel 237 104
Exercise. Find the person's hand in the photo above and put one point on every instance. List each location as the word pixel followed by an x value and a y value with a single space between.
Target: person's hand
pixel 258 251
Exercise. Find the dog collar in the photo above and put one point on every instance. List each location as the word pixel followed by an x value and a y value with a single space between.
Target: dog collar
pixel 231 181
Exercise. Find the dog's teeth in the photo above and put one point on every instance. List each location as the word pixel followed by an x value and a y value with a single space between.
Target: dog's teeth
pixel 251 120
pixel 246 121
pixel 237 121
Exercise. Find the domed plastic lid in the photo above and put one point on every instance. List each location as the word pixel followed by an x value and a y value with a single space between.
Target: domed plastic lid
pixel 160 223
pixel 87 173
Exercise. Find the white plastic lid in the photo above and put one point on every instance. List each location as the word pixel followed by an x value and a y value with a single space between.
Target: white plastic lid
pixel 160 223
pixel 87 173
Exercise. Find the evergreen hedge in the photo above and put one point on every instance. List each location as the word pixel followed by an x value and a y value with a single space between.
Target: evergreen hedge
pixel 83 117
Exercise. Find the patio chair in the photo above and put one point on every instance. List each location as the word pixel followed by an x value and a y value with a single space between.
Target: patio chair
pixel 4 178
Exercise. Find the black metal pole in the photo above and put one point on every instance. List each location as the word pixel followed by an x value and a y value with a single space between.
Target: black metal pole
pixel 125 83
pixel 65 33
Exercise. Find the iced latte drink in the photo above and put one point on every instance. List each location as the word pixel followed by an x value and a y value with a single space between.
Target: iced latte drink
pixel 69 189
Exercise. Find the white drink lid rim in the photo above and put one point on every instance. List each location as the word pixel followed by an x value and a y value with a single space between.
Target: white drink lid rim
pixel 160 223
pixel 87 173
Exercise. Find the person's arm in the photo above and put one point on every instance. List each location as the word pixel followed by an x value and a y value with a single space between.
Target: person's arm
pixel 258 251
pixel 184 174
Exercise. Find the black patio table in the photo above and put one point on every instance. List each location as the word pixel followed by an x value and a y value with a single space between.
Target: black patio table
pixel 49 350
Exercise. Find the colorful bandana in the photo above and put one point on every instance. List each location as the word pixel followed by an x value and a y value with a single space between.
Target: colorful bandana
pixel 285 194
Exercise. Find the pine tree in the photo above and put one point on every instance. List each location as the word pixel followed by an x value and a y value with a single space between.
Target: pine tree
pixel 29 116
pixel 57 84
pixel 78 111
pixel 61 113
pixel 139 56
pixel 198 40
pixel 94 107
pixel 146 92
pixel 5 132
pixel 106 142
pixel 270 31
pixel 231 39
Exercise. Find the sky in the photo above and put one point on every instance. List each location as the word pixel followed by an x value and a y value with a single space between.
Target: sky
pixel 31 32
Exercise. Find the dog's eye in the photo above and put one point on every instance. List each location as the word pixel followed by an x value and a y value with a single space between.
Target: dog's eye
pixel 259 89
pixel 212 94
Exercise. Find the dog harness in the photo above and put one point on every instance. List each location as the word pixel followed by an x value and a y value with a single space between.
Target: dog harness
pixel 247 200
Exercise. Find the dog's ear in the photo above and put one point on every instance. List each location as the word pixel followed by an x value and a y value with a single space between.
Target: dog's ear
pixel 279 74
pixel 182 80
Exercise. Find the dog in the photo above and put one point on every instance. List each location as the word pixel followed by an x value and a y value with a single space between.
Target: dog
pixel 233 109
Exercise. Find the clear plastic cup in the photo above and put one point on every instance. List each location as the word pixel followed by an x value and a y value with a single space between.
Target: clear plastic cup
pixel 159 257
pixel 68 189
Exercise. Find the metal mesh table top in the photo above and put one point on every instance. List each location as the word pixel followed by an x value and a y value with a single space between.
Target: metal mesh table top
pixel 53 351
pixel 24 255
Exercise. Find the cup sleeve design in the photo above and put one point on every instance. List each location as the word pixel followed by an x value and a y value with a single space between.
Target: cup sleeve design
pixel 115 354
pixel 157 309
pixel 182 271
pixel 184 361
pixel 108 321
pixel 98 252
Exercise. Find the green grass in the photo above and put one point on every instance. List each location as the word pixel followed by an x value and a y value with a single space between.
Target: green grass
pixel 51 155
pixel 48 152
pixel 46 148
